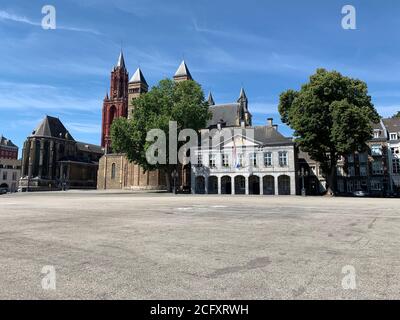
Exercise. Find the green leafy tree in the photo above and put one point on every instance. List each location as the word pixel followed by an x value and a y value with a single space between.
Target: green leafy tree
pixel 397 115
pixel 331 116
pixel 182 102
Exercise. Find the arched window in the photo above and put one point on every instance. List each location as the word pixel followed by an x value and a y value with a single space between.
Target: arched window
pixel 112 114
pixel 113 171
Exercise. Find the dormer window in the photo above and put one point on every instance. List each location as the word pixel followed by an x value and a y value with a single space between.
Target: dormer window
pixel 377 133
pixel 393 136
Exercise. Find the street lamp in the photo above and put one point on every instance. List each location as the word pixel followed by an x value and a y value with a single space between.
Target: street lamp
pixel 303 173
pixel 174 175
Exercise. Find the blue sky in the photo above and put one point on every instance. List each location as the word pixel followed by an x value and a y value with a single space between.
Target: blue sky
pixel 265 46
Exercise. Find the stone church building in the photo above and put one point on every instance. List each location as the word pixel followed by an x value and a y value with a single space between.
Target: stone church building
pixel 53 159
pixel 115 171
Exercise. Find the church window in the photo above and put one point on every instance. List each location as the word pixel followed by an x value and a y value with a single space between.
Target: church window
pixel 113 171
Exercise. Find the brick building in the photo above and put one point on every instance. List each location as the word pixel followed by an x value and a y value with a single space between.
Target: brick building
pixel 8 150
pixel 115 171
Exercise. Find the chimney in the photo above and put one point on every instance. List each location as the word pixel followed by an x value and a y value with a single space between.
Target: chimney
pixel 219 126
pixel 242 124
pixel 270 122
pixel 275 126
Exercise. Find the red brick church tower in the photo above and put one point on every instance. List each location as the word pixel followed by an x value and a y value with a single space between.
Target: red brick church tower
pixel 115 105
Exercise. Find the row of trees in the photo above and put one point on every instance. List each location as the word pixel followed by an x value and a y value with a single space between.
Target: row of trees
pixel 331 115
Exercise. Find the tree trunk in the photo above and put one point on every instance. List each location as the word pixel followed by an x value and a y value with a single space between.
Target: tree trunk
pixel 331 177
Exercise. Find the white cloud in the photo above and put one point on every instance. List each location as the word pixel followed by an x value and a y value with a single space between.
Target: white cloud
pixel 4 15
pixel 9 16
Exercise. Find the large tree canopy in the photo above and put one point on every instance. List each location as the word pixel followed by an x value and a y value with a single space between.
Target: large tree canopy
pixel 182 102
pixel 331 116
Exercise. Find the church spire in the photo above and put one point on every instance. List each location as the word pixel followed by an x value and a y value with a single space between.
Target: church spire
pixel 242 95
pixel 138 77
pixel 210 99
pixel 121 61
pixel 182 73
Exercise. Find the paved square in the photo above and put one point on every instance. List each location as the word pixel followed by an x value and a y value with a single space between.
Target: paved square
pixel 121 245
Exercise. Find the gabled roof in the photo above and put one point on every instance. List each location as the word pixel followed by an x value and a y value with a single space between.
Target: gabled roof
pixel 263 135
pixel 183 71
pixel 6 142
pixel 392 124
pixel 52 127
pixel 378 127
pixel 225 113
pixel 138 77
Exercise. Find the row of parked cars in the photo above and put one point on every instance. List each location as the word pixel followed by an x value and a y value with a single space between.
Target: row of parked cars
pixel 3 190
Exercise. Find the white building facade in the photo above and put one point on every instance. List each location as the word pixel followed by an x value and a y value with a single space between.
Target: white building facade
pixel 10 173
pixel 263 165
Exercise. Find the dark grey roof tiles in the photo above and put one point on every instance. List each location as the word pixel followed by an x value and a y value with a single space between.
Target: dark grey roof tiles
pixel 6 142
pixel 226 113
pixel 392 124
pixel 265 135
pixel 86 147
pixel 52 127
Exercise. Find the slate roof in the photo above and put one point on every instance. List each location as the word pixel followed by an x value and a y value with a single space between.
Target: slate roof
pixel 87 147
pixel 51 127
pixel 138 77
pixel 265 135
pixel 226 113
pixel 382 132
pixel 183 71
pixel 6 142
pixel 392 124
pixel 270 136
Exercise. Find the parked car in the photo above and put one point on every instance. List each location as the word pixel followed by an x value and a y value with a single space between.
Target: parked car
pixel 360 193
pixel 3 190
